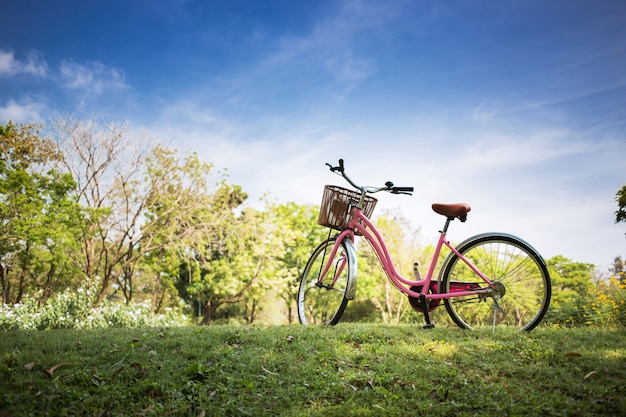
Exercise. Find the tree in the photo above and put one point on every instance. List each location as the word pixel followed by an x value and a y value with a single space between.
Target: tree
pixel 38 219
pixel 233 264
pixel 572 288
pixel 620 198
pixel 618 269
pixel 295 234
pixel 180 202
pixel 105 161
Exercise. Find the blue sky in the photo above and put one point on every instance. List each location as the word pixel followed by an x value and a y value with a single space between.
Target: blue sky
pixel 516 107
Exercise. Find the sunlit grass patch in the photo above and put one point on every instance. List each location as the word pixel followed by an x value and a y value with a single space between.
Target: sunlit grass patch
pixel 296 370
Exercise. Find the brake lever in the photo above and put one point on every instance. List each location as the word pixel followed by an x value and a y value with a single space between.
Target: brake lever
pixel 337 168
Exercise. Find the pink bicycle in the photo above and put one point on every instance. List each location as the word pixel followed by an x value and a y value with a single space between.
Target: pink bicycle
pixel 489 279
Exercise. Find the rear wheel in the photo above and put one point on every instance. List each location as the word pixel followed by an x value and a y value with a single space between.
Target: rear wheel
pixel 522 290
pixel 322 300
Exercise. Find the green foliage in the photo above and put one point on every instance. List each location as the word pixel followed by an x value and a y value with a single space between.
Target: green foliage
pixel 577 301
pixel 348 370
pixel 39 220
pixel 608 306
pixel 186 212
pixel 294 236
pixel 233 266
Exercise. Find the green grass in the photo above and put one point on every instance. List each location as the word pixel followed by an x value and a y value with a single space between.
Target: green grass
pixel 362 370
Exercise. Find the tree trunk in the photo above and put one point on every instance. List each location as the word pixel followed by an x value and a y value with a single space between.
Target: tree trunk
pixel 47 286
pixel 289 311
pixel 4 278
pixel 21 284
pixel 209 311
pixel 105 287
pixel 251 312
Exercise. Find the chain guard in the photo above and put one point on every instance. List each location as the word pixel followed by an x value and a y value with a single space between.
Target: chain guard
pixel 417 304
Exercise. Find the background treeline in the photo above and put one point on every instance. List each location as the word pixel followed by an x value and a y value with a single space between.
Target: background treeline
pixel 102 225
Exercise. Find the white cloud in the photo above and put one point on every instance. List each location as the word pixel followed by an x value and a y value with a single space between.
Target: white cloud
pixel 482 113
pixel 27 112
pixel 514 151
pixel 33 64
pixel 93 76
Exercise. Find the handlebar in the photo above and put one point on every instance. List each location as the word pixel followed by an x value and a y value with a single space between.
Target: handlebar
pixel 389 187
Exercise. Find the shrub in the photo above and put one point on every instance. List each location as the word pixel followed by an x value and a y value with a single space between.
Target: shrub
pixel 74 310
pixel 602 305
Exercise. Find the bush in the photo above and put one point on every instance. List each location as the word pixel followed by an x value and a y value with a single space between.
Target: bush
pixel 610 302
pixel 602 305
pixel 74 310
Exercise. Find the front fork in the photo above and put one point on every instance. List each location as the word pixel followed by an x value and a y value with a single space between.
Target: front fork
pixel 352 261
pixel 353 268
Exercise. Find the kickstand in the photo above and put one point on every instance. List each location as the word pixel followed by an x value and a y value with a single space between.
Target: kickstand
pixel 496 309
pixel 424 305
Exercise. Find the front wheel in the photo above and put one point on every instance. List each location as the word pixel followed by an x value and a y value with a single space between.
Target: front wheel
pixel 521 290
pixel 322 300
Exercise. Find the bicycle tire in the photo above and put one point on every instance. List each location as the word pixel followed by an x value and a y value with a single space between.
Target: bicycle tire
pixel 521 276
pixel 324 304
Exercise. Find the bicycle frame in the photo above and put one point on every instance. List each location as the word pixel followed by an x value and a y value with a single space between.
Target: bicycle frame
pixel 375 239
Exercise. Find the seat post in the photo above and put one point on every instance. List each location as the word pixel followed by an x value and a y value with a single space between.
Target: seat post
pixel 445 227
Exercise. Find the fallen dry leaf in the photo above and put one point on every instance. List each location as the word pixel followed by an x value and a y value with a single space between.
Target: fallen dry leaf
pixel 141 371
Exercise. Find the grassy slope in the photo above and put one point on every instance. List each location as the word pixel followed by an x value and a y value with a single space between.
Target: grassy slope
pixel 292 370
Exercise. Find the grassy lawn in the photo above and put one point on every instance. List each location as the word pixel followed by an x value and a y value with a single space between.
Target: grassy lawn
pixel 351 369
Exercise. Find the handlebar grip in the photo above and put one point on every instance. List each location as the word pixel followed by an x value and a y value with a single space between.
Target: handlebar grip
pixel 396 190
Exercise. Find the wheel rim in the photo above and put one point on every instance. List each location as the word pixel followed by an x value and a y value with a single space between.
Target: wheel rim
pixel 521 290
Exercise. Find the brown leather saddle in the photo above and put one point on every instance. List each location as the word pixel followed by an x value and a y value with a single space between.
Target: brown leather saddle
pixel 452 211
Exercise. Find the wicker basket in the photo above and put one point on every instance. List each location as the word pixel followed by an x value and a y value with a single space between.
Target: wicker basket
pixel 337 202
